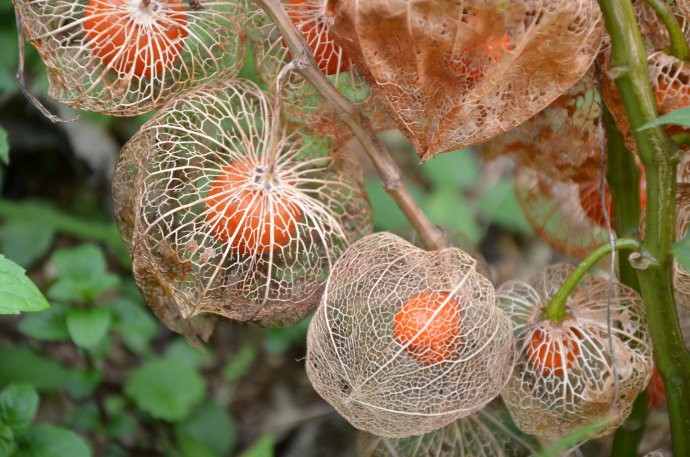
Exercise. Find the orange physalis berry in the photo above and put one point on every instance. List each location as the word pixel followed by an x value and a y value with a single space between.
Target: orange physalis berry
pixel 656 392
pixel 135 38
pixel 428 325
pixel 245 210
pixel 311 21
pixel 553 354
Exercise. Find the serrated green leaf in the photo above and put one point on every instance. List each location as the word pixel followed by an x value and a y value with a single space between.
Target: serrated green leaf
pixel 134 323
pixel 82 274
pixel 19 365
pixel 262 448
pixel 25 242
pixel 681 251
pixel 17 292
pixel 18 406
pixel 456 169
pixel 47 325
pixel 49 441
pixel 185 353
pixel 7 442
pixel 210 424
pixel 4 147
pixel 166 389
pixel 238 366
pixel 678 117
pixel 88 326
pixel 500 206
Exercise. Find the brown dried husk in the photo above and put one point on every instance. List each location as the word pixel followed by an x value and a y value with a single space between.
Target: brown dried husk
pixel 213 49
pixel 355 362
pixel 488 432
pixel 160 193
pixel 606 374
pixel 441 71
pixel 554 210
pixel 562 141
pixel 299 98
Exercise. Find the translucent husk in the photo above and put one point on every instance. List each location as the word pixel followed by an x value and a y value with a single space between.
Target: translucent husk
pixel 681 276
pixel 554 209
pixel 182 47
pixel 563 140
pixel 300 99
pixel 382 385
pixel 165 212
pixel 488 432
pixel 600 378
pixel 453 74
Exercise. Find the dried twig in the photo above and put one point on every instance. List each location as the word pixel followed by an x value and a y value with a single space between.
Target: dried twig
pixel 350 115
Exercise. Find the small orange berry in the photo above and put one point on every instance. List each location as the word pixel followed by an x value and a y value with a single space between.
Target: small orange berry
pixel 254 220
pixel 428 338
pixel 132 38
pixel 553 354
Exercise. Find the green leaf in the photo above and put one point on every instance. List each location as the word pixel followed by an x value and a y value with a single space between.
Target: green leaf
pixel 18 406
pixel 387 215
pixel 453 169
pixel 49 441
pixel 82 383
pixel 7 442
pixel 134 323
pixel 183 352
pixel 166 389
pixel 47 325
pixel 82 274
pixel 681 251
pixel 279 339
pixel 84 418
pixel 447 208
pixel 678 117
pixel 500 206
pixel 262 448
pixel 239 365
pixel 17 292
pixel 189 447
pixel 4 147
pixel 25 242
pixel 88 326
pixel 211 425
pixel 19 365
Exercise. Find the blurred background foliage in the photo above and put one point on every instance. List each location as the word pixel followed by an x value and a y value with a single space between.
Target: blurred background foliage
pixel 96 373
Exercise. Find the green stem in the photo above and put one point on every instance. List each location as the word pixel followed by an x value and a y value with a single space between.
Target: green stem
pixel 659 157
pixel 555 311
pixel 679 46
pixel 623 178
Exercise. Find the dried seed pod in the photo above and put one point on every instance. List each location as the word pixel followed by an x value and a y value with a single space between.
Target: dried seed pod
pixel 488 432
pixel 582 369
pixel 231 213
pixel 459 73
pixel 562 141
pixel 407 341
pixel 569 216
pixel 127 57
pixel 314 18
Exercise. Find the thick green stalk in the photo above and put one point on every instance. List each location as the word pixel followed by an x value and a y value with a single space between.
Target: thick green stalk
pixel 659 157
pixel 624 181
pixel 679 46
pixel 555 310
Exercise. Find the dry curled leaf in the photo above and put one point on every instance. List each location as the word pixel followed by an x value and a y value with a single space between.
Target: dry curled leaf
pixel 571 373
pixel 488 432
pixel 407 341
pixel 123 57
pixel 230 212
pixel 456 73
